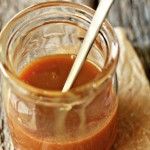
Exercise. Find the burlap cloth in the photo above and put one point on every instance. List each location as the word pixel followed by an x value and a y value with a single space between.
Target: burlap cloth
pixel 134 99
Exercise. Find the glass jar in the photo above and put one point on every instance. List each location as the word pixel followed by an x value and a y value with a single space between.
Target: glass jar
pixel 84 118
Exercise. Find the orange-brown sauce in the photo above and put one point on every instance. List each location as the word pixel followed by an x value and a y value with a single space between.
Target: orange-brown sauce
pixel 50 73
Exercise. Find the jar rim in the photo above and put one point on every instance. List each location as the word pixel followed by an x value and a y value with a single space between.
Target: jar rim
pixel 23 87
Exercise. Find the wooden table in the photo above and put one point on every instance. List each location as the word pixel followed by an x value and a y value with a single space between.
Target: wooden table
pixel 134 90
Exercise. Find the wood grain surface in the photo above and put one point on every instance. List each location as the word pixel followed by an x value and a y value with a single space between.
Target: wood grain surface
pixel 134 16
pixel 134 89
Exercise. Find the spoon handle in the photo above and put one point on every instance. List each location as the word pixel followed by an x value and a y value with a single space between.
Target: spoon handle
pixel 90 36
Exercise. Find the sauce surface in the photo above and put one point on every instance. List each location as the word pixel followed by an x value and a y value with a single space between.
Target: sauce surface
pixel 50 73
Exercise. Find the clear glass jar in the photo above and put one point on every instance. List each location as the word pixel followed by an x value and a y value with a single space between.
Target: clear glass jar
pixel 83 118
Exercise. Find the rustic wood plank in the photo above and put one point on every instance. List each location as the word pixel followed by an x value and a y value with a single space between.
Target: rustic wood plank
pixel 134 16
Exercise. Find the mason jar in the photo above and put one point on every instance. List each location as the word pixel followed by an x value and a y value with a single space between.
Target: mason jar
pixel 84 118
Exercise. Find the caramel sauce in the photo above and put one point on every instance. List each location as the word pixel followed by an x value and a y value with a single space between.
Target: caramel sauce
pixel 92 127
pixel 50 73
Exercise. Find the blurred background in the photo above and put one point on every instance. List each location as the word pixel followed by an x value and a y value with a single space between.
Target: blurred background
pixel 133 15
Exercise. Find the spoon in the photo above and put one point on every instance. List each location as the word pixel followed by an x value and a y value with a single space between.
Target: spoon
pixel 90 36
